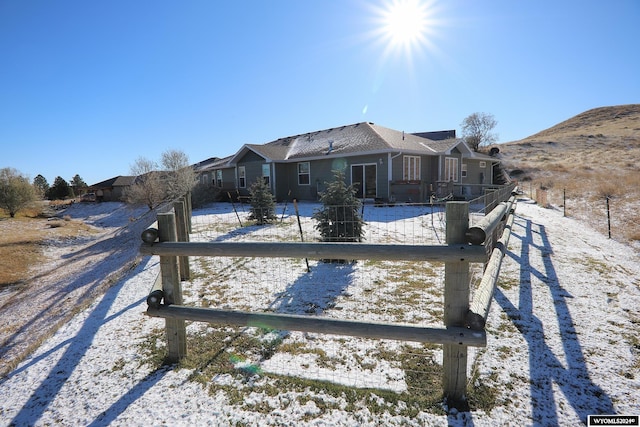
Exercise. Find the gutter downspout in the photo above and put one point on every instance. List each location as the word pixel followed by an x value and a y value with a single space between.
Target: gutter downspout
pixel 274 190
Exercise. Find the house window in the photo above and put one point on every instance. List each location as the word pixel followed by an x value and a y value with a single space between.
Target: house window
pixel 304 173
pixel 219 178
pixel 266 173
pixel 463 170
pixel 451 169
pixel 411 168
pixel 483 164
pixel 242 177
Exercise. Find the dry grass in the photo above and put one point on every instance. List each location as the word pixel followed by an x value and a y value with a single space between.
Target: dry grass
pixel 22 240
pixel 621 120
pixel 20 248
pixel 591 156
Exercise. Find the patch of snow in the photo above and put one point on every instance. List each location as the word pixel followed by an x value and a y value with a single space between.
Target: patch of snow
pixel 562 339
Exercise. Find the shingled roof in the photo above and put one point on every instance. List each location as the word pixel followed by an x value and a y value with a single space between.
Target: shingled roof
pixel 211 164
pixel 359 138
pixel 116 181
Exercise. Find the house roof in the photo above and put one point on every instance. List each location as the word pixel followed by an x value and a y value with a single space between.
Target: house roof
pixel 116 181
pixel 359 138
pixel 408 142
pixel 211 164
pixel 205 164
pixel 356 139
pixel 437 135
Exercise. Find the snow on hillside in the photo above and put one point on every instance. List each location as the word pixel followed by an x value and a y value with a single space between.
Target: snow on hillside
pixel 563 343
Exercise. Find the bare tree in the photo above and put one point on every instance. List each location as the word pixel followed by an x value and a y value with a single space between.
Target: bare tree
pixel 181 177
pixel 148 188
pixel 477 130
pixel 16 192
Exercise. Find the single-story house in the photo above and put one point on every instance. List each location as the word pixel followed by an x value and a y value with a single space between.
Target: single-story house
pixel 111 190
pixel 217 172
pixel 382 163
pixel 204 170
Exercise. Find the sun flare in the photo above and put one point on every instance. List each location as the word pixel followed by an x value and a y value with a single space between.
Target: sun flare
pixel 405 24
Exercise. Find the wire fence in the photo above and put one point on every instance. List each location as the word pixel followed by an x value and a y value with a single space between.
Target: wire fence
pixel 614 216
pixel 379 291
pixel 399 292
pixel 400 224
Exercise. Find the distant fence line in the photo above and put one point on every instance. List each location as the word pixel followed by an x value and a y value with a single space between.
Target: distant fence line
pixel 597 207
pixel 464 319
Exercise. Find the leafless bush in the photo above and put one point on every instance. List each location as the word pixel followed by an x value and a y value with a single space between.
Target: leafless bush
pixel 607 189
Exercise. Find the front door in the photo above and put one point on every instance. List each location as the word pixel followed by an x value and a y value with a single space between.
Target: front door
pixel 364 179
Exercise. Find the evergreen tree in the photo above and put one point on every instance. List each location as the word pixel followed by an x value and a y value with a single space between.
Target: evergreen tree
pixel 60 190
pixel 78 183
pixel 339 220
pixel 41 185
pixel 263 208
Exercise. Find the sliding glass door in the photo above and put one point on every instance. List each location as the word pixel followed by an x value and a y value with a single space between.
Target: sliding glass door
pixel 364 179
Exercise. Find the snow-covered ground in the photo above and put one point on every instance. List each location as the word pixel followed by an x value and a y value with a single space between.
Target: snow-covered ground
pixel 77 271
pixel 563 338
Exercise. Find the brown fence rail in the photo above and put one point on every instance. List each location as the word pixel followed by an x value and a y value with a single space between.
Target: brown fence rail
pixel 463 319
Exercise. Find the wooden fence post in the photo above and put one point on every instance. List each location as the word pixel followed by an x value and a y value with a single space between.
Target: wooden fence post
pixel 189 210
pixel 456 305
pixel 172 289
pixel 182 228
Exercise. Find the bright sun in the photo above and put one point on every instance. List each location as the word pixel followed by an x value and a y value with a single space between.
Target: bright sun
pixel 405 24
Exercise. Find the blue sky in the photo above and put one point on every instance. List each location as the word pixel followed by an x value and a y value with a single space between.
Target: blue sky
pixel 87 87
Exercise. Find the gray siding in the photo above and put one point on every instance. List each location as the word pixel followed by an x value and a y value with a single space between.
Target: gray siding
pixel 476 177
pixel 229 179
pixel 252 163
pixel 414 191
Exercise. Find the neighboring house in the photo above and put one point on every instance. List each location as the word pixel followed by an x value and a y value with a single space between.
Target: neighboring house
pixel 217 173
pixel 204 170
pixel 382 163
pixel 111 190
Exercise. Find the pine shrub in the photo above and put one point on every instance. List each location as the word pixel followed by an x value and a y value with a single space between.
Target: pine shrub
pixel 263 207
pixel 340 219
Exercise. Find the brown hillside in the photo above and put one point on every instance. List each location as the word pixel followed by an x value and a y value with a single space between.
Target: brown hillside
pixel 590 156
pixel 602 139
pixel 621 121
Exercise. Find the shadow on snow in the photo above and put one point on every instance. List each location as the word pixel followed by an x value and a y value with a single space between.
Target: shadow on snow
pixel 545 367
pixel 316 291
pixel 76 349
pixel 88 284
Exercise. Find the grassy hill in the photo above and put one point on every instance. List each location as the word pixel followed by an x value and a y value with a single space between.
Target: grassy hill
pixel 587 157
